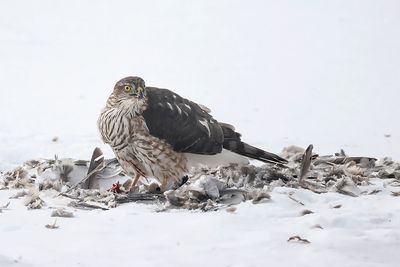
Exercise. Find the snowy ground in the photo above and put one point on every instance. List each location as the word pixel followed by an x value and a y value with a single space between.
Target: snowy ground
pixel 283 72
pixel 363 232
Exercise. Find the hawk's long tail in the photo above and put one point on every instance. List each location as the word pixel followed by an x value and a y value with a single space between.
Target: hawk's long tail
pixel 233 143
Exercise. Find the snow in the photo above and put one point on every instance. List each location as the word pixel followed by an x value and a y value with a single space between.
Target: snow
pixel 283 72
pixel 363 232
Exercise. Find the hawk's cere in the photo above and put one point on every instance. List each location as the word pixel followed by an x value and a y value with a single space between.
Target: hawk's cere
pixel 157 133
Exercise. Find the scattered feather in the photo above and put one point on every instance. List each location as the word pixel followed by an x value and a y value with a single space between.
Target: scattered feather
pixel 61 212
pixel 347 186
pixel 53 225
pixel 205 189
pixel 305 162
pixel 231 209
pixel 396 194
pixel 317 226
pixel 298 239
pixel 33 201
pixel 259 196
pixel 5 206
pixel 19 194
pixel 306 212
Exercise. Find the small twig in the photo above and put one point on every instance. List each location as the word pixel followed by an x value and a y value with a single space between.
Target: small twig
pixel 373 192
pixel 295 200
pixel 347 193
pixel 317 226
pixel 139 197
pixel 85 206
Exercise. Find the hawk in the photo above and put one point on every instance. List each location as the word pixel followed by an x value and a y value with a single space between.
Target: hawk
pixel 157 133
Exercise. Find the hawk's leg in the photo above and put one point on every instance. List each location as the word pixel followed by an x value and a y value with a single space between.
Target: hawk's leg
pixel 133 182
pixel 164 185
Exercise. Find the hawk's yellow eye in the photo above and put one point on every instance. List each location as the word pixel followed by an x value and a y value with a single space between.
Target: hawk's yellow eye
pixel 128 88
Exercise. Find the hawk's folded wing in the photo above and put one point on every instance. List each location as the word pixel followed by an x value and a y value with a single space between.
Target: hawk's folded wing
pixel 183 124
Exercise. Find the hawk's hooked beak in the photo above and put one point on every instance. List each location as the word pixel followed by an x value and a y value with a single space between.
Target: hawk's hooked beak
pixel 140 93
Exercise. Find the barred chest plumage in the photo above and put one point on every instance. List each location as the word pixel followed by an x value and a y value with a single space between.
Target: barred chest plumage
pixel 138 152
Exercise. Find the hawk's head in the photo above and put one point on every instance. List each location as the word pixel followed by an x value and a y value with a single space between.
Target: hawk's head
pixel 130 87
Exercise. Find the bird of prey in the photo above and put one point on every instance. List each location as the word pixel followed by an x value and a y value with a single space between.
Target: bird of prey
pixel 157 133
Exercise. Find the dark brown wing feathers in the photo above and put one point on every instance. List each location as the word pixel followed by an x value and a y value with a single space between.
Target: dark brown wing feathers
pixel 189 128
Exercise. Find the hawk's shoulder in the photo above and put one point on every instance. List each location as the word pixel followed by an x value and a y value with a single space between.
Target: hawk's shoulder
pixel 185 125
